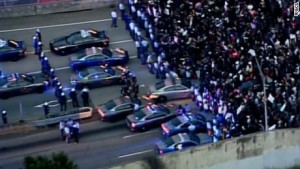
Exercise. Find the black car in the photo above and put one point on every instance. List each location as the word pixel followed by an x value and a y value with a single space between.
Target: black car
pixel 149 117
pixel 118 108
pixel 98 76
pixel 21 84
pixel 78 41
pixel 185 123
pixel 11 50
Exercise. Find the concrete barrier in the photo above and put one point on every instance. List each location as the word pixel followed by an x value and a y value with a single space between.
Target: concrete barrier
pixel 38 9
pixel 84 112
pixel 274 149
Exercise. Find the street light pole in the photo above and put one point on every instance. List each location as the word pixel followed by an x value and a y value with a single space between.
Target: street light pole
pixel 262 76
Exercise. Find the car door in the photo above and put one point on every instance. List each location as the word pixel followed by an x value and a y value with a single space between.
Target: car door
pixel 25 87
pixel 107 79
pixel 155 119
pixel 93 60
pixel 178 91
pixel 169 92
pixel 125 109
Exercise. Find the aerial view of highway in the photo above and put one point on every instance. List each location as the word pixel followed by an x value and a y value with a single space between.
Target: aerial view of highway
pixel 137 80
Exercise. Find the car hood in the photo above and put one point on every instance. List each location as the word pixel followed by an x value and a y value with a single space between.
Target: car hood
pixel 59 42
pixel 131 118
pixel 160 145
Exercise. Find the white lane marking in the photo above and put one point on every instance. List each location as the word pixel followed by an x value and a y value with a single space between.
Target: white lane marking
pixel 117 42
pixel 64 68
pixel 52 103
pixel 133 135
pixel 53 26
pixel 137 153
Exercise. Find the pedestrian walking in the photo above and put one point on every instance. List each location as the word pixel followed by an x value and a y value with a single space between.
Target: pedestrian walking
pixel 46 109
pixel 85 97
pixel 75 132
pixel 62 125
pixel 73 96
pixel 114 18
pixel 63 102
pixel 4 117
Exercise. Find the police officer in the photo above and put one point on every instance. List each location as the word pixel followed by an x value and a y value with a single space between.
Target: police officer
pixel 63 102
pixel 4 117
pixel 75 131
pixel 38 35
pixel 62 125
pixel 85 97
pixel 122 9
pixel 54 82
pixel 114 18
pixel 52 74
pixel 42 56
pixel 46 109
pixel 144 51
pixel 35 44
pixel 39 48
pixel 138 48
pixel 73 96
pixel 58 91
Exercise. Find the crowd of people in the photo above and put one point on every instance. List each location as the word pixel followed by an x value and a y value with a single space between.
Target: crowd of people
pixel 69 129
pixel 244 55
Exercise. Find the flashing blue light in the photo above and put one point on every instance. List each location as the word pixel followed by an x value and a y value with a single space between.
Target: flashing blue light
pixel 96 76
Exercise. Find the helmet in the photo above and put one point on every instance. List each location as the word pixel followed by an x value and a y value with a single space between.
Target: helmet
pixel 52 70
pixel 45 58
pixel 43 54
pixel 62 94
pixel 4 112
pixel 73 89
pixel 46 103
pixel 40 43
pixel 60 87
pixel 37 30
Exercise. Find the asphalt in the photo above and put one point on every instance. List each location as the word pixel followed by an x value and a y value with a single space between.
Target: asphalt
pixel 54 25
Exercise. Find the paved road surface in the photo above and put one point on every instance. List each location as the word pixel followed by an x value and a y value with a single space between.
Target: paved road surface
pixel 53 26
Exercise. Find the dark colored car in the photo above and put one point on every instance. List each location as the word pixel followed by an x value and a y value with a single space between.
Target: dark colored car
pixel 98 76
pixel 118 108
pixel 21 85
pixel 184 124
pixel 149 117
pixel 98 56
pixel 181 141
pixel 11 50
pixel 79 40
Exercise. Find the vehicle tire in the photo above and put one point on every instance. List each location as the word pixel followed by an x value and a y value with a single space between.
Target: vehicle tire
pixel 40 90
pixel 63 52
pixel 162 99
pixel 5 96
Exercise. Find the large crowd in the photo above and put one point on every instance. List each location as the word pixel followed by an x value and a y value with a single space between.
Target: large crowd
pixel 234 49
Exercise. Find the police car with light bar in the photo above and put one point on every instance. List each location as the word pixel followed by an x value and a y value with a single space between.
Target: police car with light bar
pixel 98 76
pixel 21 84
pixel 11 50
pixel 185 123
pixel 79 40
pixel 96 56
pixel 181 141
pixel 118 108
pixel 166 90
pixel 149 117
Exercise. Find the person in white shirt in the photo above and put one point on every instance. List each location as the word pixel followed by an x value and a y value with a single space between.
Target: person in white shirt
pixel 122 10
pixel 61 128
pixel 114 18
pixel 67 133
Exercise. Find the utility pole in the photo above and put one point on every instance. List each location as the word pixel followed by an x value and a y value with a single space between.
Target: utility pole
pixel 263 78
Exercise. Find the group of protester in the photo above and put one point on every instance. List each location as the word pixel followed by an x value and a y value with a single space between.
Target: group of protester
pixel 131 87
pixel 244 55
pixel 69 129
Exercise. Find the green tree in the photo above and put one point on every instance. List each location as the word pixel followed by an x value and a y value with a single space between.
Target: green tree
pixel 55 161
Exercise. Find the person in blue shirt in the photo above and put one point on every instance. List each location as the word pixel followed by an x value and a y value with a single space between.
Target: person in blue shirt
pixel 38 35
pixel 35 44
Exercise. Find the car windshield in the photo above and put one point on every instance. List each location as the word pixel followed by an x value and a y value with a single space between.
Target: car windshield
pixel 139 115
pixel 168 142
pixel 81 54
pixel 159 85
pixel 175 122
pixel 110 105
pixel 73 37
pixel 84 73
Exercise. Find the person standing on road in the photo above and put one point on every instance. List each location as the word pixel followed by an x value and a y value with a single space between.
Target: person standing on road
pixel 61 128
pixel 85 97
pixel 35 44
pixel 73 96
pixel 63 102
pixel 38 35
pixel 122 9
pixel 4 117
pixel 67 134
pixel 46 109
pixel 114 18
pixel 76 127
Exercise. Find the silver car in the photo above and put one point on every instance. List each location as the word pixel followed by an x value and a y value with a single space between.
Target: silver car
pixel 166 90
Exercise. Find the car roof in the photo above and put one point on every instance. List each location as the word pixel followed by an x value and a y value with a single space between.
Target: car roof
pixel 151 109
pixel 181 137
pixel 122 100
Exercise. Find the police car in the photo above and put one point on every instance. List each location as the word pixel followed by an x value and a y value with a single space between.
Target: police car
pixel 149 117
pixel 98 76
pixel 181 141
pixel 170 89
pixel 11 50
pixel 185 123
pixel 20 84
pixel 96 56
pixel 79 40
pixel 118 108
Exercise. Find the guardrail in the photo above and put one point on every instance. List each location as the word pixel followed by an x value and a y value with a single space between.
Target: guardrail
pixel 79 114
pixel 11 3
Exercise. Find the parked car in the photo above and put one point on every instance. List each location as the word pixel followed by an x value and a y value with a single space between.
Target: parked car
pixel 12 50
pixel 79 40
